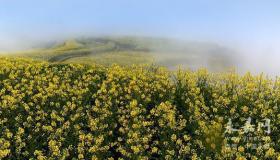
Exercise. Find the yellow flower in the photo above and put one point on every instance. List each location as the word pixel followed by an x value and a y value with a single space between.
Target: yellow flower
pixel 241 158
pixel 241 149
pixel 135 149
pixel 4 153
pixel 173 137
pixel 154 149
pixel 245 109
pixel 232 111
pixel 187 138
pixel 80 156
pixel 270 152
pixel 213 146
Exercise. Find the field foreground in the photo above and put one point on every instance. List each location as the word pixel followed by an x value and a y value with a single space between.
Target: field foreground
pixel 72 111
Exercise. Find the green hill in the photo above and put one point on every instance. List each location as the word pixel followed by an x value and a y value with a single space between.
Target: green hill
pixel 134 50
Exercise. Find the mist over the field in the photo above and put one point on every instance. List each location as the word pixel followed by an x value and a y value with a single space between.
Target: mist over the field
pixel 245 56
pixel 245 32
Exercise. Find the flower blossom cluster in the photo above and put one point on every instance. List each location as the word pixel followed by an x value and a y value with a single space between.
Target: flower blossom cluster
pixel 72 111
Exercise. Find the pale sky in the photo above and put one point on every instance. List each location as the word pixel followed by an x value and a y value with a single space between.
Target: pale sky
pixel 238 21
pixel 252 26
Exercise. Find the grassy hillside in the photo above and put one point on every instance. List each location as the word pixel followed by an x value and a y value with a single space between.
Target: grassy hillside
pixel 134 50
pixel 74 111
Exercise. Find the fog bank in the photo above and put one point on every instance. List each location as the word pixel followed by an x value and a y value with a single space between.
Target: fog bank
pixel 246 57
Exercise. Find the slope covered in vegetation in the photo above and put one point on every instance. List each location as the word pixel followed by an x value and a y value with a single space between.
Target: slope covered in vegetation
pixel 134 50
pixel 73 111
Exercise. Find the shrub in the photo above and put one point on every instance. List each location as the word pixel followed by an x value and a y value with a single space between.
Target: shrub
pixel 67 111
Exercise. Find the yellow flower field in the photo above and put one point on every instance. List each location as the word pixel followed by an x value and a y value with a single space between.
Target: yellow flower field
pixel 72 111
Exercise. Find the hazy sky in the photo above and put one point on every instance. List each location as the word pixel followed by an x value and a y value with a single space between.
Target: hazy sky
pixel 208 19
pixel 252 25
